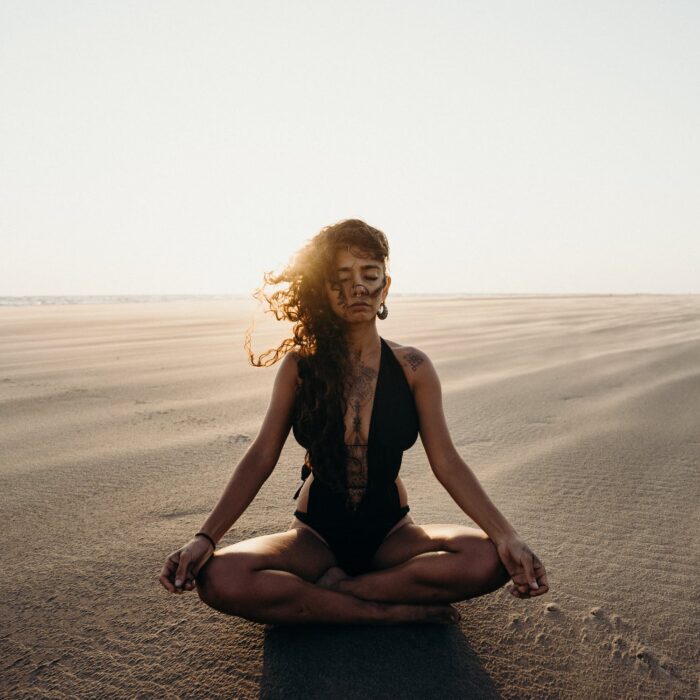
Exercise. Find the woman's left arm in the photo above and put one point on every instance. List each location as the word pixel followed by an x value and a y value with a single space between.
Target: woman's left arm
pixel 526 570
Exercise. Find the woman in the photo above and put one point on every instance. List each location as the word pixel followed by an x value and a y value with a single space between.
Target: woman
pixel 352 553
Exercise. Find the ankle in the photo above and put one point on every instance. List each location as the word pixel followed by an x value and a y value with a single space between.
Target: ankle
pixel 351 586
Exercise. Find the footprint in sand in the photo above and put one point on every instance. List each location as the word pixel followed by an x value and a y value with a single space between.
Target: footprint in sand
pixel 552 609
pixel 616 635
pixel 515 622
pixel 542 638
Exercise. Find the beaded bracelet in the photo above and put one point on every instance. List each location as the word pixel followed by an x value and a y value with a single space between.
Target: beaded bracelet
pixel 204 534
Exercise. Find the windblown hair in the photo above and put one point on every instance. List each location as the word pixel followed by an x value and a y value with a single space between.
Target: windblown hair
pixel 318 336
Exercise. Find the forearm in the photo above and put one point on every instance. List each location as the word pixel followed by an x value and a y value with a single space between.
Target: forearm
pixel 461 483
pixel 245 482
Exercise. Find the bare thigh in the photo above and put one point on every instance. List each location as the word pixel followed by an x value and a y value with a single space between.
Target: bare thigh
pixel 297 551
pixel 411 540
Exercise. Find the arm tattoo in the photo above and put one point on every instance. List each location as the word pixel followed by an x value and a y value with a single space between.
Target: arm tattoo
pixel 413 359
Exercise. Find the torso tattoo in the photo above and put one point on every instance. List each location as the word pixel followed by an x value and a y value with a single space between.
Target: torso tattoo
pixel 360 394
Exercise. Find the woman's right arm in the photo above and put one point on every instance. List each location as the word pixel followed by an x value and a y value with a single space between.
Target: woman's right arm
pixel 248 477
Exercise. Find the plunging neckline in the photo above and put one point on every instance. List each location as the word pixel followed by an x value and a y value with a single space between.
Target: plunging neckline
pixel 373 411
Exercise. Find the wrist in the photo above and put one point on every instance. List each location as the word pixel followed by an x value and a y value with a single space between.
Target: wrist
pixel 207 537
pixel 503 535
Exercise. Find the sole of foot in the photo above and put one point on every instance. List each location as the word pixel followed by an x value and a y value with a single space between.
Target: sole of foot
pixel 332 577
pixel 435 614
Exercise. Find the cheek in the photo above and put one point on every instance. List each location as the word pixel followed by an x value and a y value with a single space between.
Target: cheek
pixel 336 293
pixel 375 291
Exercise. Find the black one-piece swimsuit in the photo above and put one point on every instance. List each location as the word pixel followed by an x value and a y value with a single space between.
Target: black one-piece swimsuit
pixel 355 535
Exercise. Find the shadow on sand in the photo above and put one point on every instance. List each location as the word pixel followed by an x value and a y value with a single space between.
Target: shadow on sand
pixel 358 661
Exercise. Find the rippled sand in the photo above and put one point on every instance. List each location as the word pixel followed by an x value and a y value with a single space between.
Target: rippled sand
pixel 120 424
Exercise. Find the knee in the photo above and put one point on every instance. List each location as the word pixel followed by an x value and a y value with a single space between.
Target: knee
pixel 496 573
pixel 209 582
pixel 483 569
pixel 222 583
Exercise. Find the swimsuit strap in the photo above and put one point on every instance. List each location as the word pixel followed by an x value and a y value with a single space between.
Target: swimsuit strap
pixel 305 471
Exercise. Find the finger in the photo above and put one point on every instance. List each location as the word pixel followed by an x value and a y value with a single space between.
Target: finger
pixel 519 579
pixel 181 573
pixel 529 566
pixel 165 582
pixel 529 593
pixel 166 573
pixel 520 582
pixel 540 591
pixel 515 591
pixel 170 564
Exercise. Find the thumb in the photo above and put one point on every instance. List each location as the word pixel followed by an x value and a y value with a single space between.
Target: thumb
pixel 182 566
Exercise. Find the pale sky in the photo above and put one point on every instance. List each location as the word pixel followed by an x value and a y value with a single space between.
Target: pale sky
pixel 503 147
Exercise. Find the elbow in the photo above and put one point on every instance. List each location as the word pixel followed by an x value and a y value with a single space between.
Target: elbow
pixel 264 460
pixel 447 467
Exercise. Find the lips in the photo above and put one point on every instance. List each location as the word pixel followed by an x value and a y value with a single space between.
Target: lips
pixel 352 306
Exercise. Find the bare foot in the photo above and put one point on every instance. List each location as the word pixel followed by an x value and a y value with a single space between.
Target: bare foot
pixel 438 614
pixel 332 578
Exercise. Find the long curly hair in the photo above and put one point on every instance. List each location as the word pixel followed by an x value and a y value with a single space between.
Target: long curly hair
pixel 318 337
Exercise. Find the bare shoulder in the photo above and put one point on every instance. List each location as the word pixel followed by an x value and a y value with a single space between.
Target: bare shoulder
pixel 289 367
pixel 413 360
pixel 291 356
pixel 290 361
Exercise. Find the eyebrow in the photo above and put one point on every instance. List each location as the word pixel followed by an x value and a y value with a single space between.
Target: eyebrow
pixel 373 266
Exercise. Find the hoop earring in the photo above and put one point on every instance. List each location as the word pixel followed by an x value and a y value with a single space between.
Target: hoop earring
pixel 383 311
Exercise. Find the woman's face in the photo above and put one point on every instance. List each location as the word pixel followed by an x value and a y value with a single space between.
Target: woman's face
pixel 357 286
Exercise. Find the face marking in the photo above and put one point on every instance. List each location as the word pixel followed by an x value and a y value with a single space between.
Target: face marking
pixel 356 279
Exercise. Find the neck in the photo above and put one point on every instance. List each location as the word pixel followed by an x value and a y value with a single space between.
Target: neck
pixel 363 340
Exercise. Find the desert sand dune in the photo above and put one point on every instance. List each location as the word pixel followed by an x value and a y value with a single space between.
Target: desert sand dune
pixel 120 425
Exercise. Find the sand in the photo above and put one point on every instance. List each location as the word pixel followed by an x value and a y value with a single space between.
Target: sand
pixel 120 425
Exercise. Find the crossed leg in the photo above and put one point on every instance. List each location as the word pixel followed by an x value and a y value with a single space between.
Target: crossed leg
pixel 270 579
pixel 418 571
pixel 430 564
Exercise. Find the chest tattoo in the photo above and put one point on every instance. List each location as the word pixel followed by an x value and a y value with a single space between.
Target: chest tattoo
pixel 360 394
